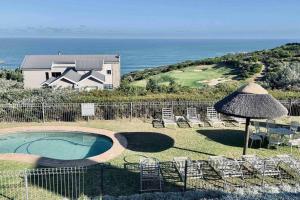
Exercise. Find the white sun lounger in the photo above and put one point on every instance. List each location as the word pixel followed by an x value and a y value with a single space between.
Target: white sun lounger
pixel 213 117
pixel 264 167
pixel 193 168
pixel 290 162
pixel 168 117
pixel 226 168
pixel 192 117
pixel 150 175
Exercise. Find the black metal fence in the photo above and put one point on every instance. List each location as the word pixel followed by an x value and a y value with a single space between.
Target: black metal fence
pixel 48 112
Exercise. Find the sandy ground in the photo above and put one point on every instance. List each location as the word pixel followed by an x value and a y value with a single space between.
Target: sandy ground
pixel 214 82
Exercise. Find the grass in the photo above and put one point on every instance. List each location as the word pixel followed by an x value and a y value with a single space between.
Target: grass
pixel 163 144
pixel 192 76
pixel 166 143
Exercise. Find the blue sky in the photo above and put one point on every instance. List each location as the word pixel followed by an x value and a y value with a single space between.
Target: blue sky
pixel 150 18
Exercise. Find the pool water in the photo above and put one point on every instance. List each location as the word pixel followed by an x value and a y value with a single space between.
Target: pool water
pixel 57 145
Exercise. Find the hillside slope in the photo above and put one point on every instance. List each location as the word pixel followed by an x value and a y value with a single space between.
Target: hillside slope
pixel 277 68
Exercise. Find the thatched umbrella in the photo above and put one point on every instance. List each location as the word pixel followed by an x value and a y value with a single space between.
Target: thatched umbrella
pixel 251 101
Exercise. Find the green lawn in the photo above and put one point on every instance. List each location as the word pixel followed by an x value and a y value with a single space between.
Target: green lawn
pixel 193 76
pixel 163 144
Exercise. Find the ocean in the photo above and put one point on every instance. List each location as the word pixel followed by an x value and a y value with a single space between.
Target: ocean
pixel 136 54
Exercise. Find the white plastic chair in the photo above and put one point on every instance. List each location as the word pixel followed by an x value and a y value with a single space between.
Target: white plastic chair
pixel 275 140
pixel 255 137
pixel 294 126
pixel 258 131
pixel 270 124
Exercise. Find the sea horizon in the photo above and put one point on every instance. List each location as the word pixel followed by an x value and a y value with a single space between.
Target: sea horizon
pixel 136 53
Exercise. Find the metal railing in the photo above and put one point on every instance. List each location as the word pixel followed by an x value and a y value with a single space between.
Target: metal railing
pixel 51 183
pixel 47 112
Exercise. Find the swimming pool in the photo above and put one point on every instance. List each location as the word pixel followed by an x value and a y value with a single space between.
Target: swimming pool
pixel 61 145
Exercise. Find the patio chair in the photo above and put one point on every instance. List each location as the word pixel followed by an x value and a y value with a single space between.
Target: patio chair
pixel 214 118
pixel 255 137
pixel 294 143
pixel 294 126
pixel 150 175
pixel 290 161
pixel 192 117
pixel 270 123
pixel 263 167
pixel 192 170
pixel 259 132
pixel 275 140
pixel 168 117
pixel 226 168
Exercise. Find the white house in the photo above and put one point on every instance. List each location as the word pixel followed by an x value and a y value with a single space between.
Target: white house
pixel 83 72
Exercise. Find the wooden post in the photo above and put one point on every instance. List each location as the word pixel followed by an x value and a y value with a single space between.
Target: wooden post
pixel 246 136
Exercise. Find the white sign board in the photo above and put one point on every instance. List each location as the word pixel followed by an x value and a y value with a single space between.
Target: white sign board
pixel 87 109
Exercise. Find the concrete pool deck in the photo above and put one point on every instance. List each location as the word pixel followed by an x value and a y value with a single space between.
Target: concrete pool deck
pixel 119 145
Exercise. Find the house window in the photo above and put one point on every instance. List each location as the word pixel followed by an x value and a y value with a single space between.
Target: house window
pixel 108 86
pixel 108 71
pixel 56 74
pixel 47 75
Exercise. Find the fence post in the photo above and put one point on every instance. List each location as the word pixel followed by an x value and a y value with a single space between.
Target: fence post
pixel 43 112
pixel 130 111
pixel 290 107
pixel 26 186
pixel 185 175
pixel 172 105
pixel 102 186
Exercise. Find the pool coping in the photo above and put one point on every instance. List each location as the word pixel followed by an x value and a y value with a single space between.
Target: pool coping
pixel 119 145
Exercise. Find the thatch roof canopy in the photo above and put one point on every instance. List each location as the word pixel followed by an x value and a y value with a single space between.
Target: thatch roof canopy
pixel 251 101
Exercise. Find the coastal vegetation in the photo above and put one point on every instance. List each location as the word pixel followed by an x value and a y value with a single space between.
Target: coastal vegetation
pixel 278 67
pixel 14 75
pixel 209 79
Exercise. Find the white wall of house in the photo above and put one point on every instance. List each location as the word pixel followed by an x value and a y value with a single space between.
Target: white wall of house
pixel 62 83
pixel 108 77
pixel 116 75
pixel 90 82
pixel 33 79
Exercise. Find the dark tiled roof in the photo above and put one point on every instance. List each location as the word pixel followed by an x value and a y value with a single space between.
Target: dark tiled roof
pixel 50 80
pixel 75 77
pixel 94 74
pixel 81 62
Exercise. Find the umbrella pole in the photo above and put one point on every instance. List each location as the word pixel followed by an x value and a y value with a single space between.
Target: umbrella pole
pixel 246 136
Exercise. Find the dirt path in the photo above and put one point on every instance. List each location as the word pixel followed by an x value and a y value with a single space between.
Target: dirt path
pixel 259 76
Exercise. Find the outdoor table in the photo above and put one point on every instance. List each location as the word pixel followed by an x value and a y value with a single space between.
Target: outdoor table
pixel 281 131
